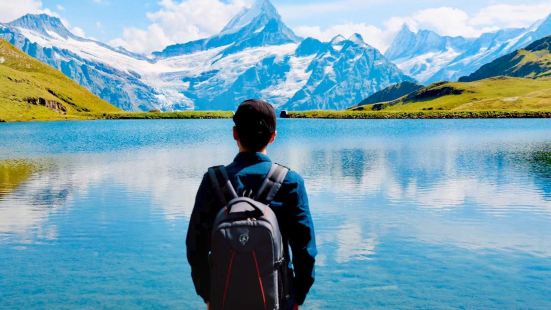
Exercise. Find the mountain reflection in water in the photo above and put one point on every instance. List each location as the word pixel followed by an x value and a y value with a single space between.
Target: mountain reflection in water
pixel 424 214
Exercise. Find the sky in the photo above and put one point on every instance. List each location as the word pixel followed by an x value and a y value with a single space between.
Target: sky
pixel 149 25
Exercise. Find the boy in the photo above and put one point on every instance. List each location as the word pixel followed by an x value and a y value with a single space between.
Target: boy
pixel 254 130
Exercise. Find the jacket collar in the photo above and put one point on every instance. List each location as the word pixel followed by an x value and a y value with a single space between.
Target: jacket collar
pixel 247 158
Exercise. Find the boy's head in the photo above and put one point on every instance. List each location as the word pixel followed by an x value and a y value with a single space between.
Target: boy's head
pixel 255 125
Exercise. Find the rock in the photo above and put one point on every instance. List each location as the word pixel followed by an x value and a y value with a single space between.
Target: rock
pixel 50 104
pixel 284 114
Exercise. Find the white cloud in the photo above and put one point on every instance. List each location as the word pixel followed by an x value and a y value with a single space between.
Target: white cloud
pixel 375 36
pixel 178 22
pixel 504 15
pixel 299 11
pixel 10 10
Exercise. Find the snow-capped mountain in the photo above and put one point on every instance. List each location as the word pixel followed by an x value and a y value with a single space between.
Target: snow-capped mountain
pixel 109 73
pixel 342 73
pixel 423 54
pixel 260 25
pixel 255 55
pixel 429 57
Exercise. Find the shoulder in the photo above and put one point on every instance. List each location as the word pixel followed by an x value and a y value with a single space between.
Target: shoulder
pixel 293 177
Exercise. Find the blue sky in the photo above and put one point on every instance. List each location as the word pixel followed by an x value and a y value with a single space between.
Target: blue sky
pixel 146 25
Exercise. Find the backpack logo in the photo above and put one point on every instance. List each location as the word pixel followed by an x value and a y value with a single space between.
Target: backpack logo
pixel 244 238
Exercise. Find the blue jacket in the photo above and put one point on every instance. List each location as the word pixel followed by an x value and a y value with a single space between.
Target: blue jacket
pixel 290 205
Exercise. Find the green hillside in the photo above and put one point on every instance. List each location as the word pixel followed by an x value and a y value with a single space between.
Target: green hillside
pixel 31 90
pixel 392 92
pixel 517 83
pixel 494 94
pixel 534 61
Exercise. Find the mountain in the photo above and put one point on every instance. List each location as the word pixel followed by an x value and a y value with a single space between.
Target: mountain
pixel 254 55
pixel 31 90
pixel 107 72
pixel 391 93
pixel 429 57
pixel 534 61
pixel 43 24
pixel 259 25
pixel 423 54
pixel 343 72
pixel 493 94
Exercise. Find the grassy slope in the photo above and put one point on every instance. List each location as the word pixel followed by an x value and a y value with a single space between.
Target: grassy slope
pixel 534 61
pixel 23 77
pixel 391 93
pixel 496 94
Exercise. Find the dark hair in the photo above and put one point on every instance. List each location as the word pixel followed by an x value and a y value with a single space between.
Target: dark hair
pixel 255 121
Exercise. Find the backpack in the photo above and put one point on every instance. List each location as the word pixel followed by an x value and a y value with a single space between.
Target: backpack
pixel 247 264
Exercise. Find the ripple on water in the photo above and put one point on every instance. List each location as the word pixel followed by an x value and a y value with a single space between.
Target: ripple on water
pixel 408 214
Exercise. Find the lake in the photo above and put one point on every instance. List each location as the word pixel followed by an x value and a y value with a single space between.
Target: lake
pixel 426 214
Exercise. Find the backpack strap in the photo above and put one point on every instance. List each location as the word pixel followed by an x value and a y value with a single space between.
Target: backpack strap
pixel 222 184
pixel 272 183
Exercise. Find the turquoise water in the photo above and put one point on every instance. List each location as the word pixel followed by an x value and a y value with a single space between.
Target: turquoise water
pixel 426 214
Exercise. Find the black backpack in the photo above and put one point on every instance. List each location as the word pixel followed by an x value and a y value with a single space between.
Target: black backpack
pixel 248 269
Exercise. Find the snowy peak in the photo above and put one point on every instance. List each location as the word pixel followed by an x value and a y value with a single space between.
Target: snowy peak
pixel 358 40
pixel 544 27
pixel 260 9
pixel 42 23
pixel 405 33
pixel 430 57
pixel 259 25
pixel 407 43
pixel 337 40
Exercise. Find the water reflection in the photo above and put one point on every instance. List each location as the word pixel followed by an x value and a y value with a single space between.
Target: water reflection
pixel 392 186
pixel 13 173
pixel 386 201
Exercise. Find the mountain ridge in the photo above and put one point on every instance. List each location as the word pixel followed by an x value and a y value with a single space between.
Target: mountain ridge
pixel 392 92
pixel 533 61
pixel 432 61
pixel 255 55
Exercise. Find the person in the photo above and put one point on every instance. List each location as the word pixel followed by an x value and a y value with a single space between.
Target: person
pixel 254 130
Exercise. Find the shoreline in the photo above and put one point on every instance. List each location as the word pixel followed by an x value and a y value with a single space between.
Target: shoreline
pixel 320 114
pixel 125 116
pixel 165 115
pixel 418 114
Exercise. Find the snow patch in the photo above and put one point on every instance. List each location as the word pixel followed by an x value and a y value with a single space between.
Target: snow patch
pixel 2 60
pixel 295 79
pixel 424 66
